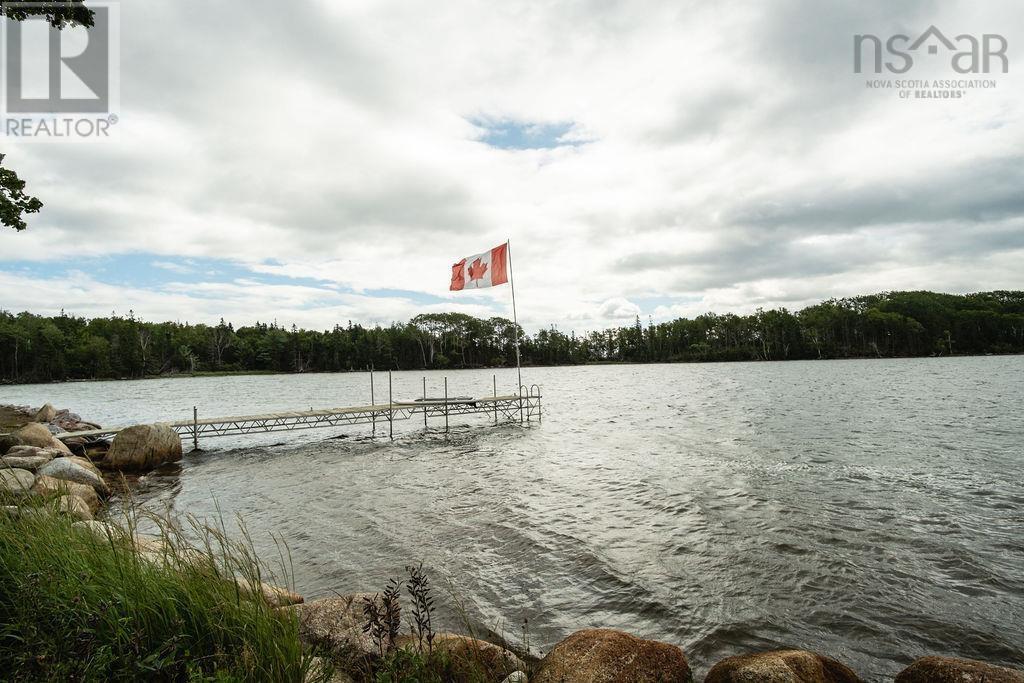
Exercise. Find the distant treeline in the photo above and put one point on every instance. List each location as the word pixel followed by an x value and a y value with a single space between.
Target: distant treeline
pixel 39 348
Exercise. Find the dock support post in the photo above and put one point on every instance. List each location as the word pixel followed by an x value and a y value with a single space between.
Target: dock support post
pixel 195 428
pixel 373 412
pixel 494 379
pixel 391 411
pixel 424 402
pixel 445 405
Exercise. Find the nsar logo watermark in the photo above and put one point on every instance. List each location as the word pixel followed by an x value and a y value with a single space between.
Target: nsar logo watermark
pixel 964 55
pixel 61 84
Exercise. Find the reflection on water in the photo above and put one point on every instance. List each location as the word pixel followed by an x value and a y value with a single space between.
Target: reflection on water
pixel 872 510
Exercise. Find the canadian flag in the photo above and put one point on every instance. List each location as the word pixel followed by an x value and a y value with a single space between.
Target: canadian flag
pixel 481 270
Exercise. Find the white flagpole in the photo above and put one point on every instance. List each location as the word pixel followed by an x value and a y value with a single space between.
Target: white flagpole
pixel 515 322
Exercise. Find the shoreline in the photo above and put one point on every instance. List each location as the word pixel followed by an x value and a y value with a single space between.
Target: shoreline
pixel 261 373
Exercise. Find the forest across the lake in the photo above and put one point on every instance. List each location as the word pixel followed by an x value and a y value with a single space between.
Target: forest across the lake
pixel 36 348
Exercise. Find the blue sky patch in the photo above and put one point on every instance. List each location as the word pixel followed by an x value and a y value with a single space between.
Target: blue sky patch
pixel 151 271
pixel 156 272
pixel 416 297
pixel 510 134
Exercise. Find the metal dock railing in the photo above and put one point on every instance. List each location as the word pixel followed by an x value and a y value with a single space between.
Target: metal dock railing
pixel 521 407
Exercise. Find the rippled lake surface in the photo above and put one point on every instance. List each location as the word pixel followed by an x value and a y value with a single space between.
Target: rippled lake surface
pixel 870 510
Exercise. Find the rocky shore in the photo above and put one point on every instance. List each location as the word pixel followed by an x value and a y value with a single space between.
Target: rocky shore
pixel 357 634
pixel 599 655
pixel 76 474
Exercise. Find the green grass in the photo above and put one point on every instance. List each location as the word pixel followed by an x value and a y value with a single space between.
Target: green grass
pixel 409 666
pixel 77 605
pixel 80 604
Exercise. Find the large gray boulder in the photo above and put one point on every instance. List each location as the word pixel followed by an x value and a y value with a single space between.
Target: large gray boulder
pixel 35 434
pixel 28 457
pixel 954 670
pixel 602 655
pixel 335 626
pixel 86 463
pixel 45 414
pixel 77 470
pixel 469 659
pixel 16 484
pixel 24 462
pixel 143 447
pixel 781 666
pixel 59 445
pixel 23 450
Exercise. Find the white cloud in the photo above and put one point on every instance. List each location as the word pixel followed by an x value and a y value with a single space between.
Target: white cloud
pixel 618 308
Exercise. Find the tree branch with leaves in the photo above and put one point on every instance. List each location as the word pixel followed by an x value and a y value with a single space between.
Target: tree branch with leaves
pixel 14 202
pixel 58 14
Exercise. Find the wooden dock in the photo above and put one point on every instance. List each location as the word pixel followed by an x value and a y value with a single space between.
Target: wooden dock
pixel 512 407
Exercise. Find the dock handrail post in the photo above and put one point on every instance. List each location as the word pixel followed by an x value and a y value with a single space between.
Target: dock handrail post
pixel 195 428
pixel 373 412
pixel 391 411
pixel 424 402
pixel 446 405
pixel 494 379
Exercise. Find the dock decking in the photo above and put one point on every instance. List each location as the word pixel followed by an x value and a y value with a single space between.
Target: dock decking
pixel 511 407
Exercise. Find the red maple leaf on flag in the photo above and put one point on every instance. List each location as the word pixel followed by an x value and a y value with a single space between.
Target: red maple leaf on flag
pixel 477 270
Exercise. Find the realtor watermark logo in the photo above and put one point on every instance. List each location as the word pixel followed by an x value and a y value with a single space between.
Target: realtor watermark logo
pixel 967 59
pixel 60 84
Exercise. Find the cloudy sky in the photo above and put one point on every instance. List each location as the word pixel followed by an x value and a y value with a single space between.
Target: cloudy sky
pixel 316 162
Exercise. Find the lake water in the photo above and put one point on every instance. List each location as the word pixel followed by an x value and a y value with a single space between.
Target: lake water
pixel 870 510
